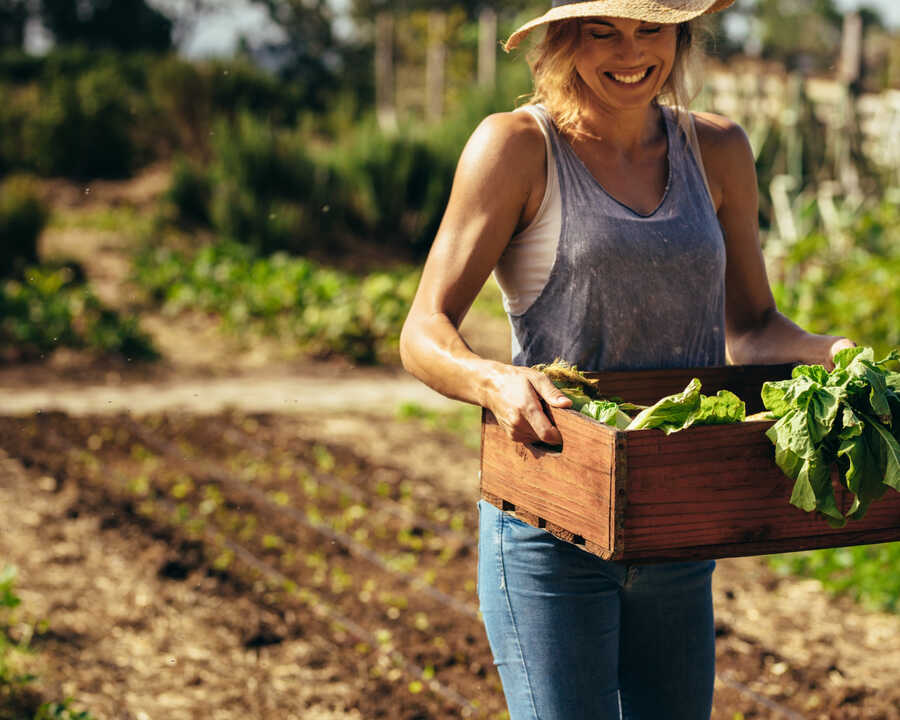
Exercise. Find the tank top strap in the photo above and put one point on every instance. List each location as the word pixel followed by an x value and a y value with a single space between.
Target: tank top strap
pixel 688 155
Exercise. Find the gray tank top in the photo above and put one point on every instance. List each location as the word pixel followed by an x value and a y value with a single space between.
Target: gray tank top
pixel 630 291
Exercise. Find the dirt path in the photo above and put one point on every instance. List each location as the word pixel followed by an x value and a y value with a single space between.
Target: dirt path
pixel 318 390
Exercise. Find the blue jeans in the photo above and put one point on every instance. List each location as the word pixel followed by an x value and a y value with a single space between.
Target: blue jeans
pixel 578 638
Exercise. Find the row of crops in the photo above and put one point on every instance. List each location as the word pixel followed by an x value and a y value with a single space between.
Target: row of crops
pixel 378 563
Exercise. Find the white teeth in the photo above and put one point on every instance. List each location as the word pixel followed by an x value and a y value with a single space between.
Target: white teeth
pixel 630 79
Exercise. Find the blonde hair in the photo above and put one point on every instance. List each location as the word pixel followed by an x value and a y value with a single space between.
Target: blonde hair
pixel 559 87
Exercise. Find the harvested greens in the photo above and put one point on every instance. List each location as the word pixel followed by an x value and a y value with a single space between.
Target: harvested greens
pixel 670 414
pixel 689 407
pixel 850 418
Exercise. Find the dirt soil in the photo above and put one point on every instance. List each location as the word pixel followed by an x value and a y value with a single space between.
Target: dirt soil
pixel 266 539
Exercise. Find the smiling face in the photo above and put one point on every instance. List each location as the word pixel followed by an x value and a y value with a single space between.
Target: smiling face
pixel 625 63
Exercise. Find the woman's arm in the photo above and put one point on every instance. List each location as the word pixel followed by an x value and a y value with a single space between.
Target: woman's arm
pixel 497 188
pixel 756 332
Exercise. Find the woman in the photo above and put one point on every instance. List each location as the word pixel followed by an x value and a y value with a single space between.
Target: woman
pixel 616 247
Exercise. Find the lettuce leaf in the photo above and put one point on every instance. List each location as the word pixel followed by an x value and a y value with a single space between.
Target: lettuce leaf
pixel 689 408
pixel 848 418
pixel 671 413
pixel 607 412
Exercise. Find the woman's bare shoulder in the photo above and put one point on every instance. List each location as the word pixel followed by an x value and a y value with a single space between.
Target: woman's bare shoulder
pixel 512 139
pixel 719 136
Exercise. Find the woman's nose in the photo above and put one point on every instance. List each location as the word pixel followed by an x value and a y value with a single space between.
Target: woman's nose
pixel 629 48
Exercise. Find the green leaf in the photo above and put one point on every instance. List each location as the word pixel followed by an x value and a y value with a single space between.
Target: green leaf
pixel 607 412
pixel 816 373
pixel 803 496
pixel 725 407
pixel 864 471
pixel 822 410
pixel 671 413
pixel 891 449
pixel 867 374
pixel 792 433
pixel 893 382
pixel 851 425
pixel 817 473
pixel 773 397
pixel 844 357
pixel 812 483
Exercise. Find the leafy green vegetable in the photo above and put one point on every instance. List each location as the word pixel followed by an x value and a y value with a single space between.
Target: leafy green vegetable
pixel 607 412
pixel 722 408
pixel 689 407
pixel 849 418
pixel 671 413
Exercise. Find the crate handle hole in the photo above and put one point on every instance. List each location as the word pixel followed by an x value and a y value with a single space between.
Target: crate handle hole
pixel 547 447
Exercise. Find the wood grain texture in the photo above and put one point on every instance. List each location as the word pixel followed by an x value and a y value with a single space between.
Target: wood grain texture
pixel 571 489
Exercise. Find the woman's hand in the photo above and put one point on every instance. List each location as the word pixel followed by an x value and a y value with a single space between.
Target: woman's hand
pixel 515 397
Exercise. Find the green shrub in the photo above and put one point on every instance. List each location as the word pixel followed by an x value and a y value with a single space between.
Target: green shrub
pixel 84 127
pixel 398 184
pixel 17 66
pixel 267 191
pixel 85 114
pixel 180 91
pixel 236 86
pixel 189 192
pixel 48 309
pixel 326 311
pixel 22 217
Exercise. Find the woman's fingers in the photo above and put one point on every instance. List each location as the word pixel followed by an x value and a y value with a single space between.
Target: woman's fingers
pixel 551 394
pixel 524 418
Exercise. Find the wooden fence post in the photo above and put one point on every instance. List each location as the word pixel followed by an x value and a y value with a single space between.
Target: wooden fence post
pixel 793 136
pixel 487 48
pixel 848 125
pixel 385 109
pixel 851 49
pixel 434 65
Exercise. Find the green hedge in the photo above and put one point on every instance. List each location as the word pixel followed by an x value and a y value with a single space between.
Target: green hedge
pixel 84 114
pixel 303 191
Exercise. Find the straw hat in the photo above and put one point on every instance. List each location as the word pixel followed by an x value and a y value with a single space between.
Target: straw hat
pixel 655 11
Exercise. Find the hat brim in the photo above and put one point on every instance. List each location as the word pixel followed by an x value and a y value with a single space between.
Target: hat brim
pixel 656 11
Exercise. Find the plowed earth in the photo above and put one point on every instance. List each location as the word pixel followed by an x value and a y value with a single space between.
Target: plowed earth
pixel 265 565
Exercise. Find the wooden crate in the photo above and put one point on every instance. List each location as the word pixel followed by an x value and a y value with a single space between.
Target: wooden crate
pixel 643 496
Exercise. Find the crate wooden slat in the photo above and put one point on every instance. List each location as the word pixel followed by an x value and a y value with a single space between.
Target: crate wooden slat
pixel 643 496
